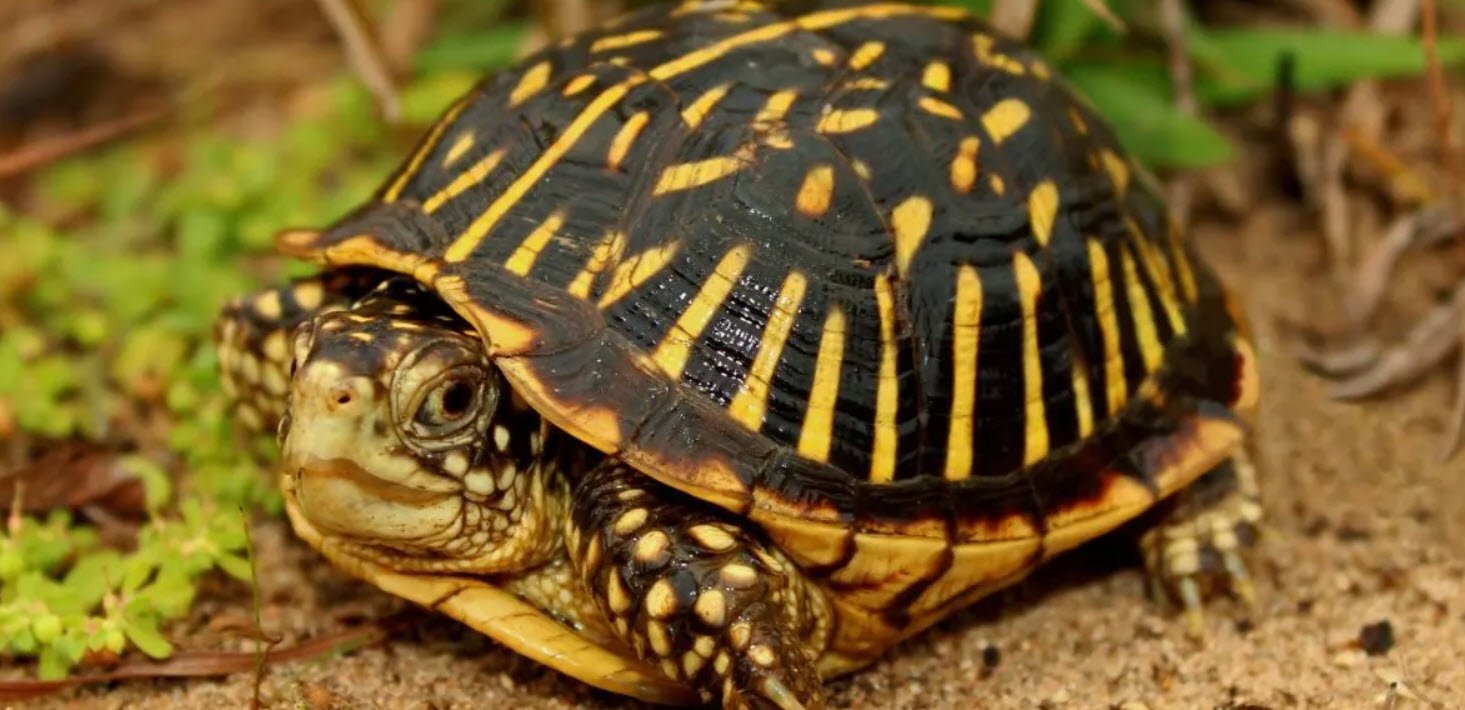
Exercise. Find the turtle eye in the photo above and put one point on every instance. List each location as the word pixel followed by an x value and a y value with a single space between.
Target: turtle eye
pixel 451 403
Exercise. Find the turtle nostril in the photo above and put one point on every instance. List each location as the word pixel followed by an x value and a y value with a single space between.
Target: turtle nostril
pixel 344 397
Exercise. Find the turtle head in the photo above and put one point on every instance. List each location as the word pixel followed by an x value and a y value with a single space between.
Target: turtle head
pixel 402 441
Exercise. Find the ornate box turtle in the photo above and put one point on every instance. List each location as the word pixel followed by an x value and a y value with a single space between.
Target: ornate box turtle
pixel 712 353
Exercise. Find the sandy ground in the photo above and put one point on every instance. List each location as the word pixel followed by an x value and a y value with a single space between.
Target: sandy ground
pixel 1368 527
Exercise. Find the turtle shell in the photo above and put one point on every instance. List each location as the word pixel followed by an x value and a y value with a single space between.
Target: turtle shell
pixel 868 275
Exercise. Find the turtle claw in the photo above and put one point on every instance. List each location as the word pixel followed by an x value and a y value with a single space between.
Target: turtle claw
pixel 1200 548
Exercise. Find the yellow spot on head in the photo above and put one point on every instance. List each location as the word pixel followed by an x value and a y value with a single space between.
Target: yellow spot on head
pixel 824 57
pixel 964 165
pixel 999 185
pixel 865 55
pixel 882 459
pixel 704 104
pixel 624 138
pixel 751 402
pixel 672 353
pixel 267 305
pixel 937 107
pixel 606 44
pixel 937 76
pixel 530 84
pixel 309 295
pixel 1029 287
pixel 460 145
pixel 1043 210
pixel 911 220
pixel 862 168
pixel 817 191
pixel 966 326
pixel 1005 119
pixel 817 434
pixel 847 120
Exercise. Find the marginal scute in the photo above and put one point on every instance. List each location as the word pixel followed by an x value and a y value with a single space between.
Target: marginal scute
pixel 884 566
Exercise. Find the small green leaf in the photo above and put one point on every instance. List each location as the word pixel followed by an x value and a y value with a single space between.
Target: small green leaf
pixel 143 633
pixel 1240 65
pixel 236 566
pixel 54 664
pixel 1136 101
pixel 490 49
pixel 1061 28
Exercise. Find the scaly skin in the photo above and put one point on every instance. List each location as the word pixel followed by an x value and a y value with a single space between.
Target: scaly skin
pixel 371 460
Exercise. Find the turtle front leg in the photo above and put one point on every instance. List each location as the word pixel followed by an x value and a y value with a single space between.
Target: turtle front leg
pixel 254 337
pixel 695 594
pixel 1199 547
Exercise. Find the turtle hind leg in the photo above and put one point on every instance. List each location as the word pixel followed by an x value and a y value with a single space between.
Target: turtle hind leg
pixel 254 337
pixel 695 594
pixel 1199 546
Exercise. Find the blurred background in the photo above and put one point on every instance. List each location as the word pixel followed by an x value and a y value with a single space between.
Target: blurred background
pixel 150 149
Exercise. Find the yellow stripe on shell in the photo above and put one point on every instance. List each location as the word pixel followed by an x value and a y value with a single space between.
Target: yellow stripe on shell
pixel 850 120
pixel 630 39
pixel 910 220
pixel 610 248
pixel 625 138
pixel 984 47
pixel 1029 288
pixel 461 145
pixel 1005 118
pixel 1117 169
pixel 887 391
pixel 1117 387
pixel 937 107
pixel 636 270
pixel 937 76
pixel 674 351
pixel 816 192
pixel 750 404
pixel 429 143
pixel 465 181
pixel 694 113
pixel 523 258
pixel 531 83
pixel 1150 349
pixel 1082 398
pixel 1043 210
pixel 578 84
pixel 964 165
pixel 480 227
pixel 776 107
pixel 817 434
pixel 1154 264
pixel 685 176
pixel 866 54
pixel 966 328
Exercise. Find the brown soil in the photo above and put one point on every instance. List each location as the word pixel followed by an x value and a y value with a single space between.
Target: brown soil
pixel 1367 526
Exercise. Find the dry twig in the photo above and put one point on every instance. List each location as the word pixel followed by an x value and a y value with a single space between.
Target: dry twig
pixel 1172 21
pixel 1439 93
pixel 364 54
pixel 45 152
pixel 1014 17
